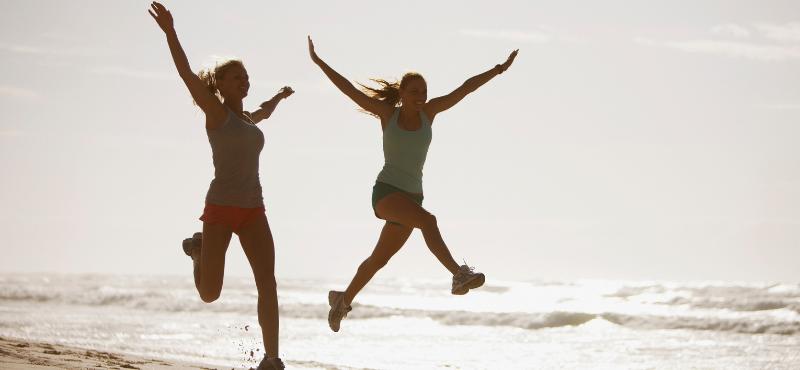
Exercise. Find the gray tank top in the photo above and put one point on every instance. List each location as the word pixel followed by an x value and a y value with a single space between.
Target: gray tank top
pixel 235 148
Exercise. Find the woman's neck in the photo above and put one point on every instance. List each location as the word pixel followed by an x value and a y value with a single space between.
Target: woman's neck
pixel 408 113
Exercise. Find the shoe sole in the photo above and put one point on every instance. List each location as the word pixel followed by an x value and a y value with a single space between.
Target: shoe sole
pixel 332 303
pixel 190 244
pixel 187 246
pixel 271 365
pixel 477 282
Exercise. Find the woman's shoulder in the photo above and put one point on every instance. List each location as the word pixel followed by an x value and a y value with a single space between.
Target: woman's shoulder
pixel 210 127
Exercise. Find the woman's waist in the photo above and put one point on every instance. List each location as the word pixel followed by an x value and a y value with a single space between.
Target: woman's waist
pixel 235 184
pixel 401 180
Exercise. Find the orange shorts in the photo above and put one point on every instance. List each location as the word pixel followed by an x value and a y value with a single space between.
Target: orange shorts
pixel 234 217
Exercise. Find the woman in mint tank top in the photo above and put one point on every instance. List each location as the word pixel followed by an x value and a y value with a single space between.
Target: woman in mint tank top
pixel 406 118
pixel 234 203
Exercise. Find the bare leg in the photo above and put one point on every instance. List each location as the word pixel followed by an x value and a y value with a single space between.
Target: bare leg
pixel 398 207
pixel 392 238
pixel 209 263
pixel 256 239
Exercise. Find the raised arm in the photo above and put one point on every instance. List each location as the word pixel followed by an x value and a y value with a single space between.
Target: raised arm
pixel 268 106
pixel 443 103
pixel 372 105
pixel 216 114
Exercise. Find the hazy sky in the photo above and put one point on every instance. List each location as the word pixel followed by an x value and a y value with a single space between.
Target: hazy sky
pixel 630 139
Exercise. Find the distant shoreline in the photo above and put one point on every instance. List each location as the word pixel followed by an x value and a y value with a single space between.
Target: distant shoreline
pixel 24 355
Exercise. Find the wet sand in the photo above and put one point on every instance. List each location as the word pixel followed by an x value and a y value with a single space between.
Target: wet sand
pixel 21 355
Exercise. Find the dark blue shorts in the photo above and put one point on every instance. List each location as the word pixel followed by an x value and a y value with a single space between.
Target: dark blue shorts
pixel 382 189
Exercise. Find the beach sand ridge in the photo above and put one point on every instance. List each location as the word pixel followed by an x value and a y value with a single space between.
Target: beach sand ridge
pixel 21 355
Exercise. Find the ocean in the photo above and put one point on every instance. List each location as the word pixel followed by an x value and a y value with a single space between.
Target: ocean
pixel 417 324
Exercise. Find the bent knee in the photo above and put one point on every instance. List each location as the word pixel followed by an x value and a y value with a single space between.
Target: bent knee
pixel 428 221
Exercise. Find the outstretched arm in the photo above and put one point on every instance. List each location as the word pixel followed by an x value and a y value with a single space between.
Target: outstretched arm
pixel 443 103
pixel 372 105
pixel 268 106
pixel 208 102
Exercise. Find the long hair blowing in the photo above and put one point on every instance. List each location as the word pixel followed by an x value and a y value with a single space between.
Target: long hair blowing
pixel 209 76
pixel 388 92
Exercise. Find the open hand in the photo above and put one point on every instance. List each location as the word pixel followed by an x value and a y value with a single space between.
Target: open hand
pixel 162 16
pixel 311 51
pixel 510 60
pixel 285 92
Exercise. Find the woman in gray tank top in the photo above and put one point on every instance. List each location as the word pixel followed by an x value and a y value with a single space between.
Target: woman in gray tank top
pixel 397 194
pixel 234 203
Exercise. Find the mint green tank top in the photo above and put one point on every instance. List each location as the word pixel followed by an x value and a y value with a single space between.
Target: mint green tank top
pixel 404 153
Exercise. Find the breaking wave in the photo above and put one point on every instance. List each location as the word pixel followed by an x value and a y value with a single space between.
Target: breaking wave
pixel 741 308
pixel 716 324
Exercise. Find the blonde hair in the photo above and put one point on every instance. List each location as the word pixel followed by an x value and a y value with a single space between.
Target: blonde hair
pixel 209 76
pixel 388 92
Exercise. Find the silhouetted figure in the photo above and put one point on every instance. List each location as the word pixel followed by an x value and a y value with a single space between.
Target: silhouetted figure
pixel 406 118
pixel 234 203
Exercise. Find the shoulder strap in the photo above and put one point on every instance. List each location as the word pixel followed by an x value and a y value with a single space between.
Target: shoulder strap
pixel 394 117
pixel 424 117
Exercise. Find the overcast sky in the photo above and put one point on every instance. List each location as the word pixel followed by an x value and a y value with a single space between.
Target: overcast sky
pixel 630 139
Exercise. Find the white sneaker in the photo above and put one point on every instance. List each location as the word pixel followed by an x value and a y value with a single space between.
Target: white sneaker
pixel 466 279
pixel 274 363
pixel 338 309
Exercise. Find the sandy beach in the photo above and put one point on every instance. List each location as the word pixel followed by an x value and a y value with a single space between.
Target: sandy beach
pixel 21 355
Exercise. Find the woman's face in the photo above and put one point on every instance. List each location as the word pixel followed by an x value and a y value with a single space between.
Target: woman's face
pixel 235 83
pixel 415 94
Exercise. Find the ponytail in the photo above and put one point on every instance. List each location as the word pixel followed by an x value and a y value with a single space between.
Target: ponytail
pixel 388 92
pixel 209 76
